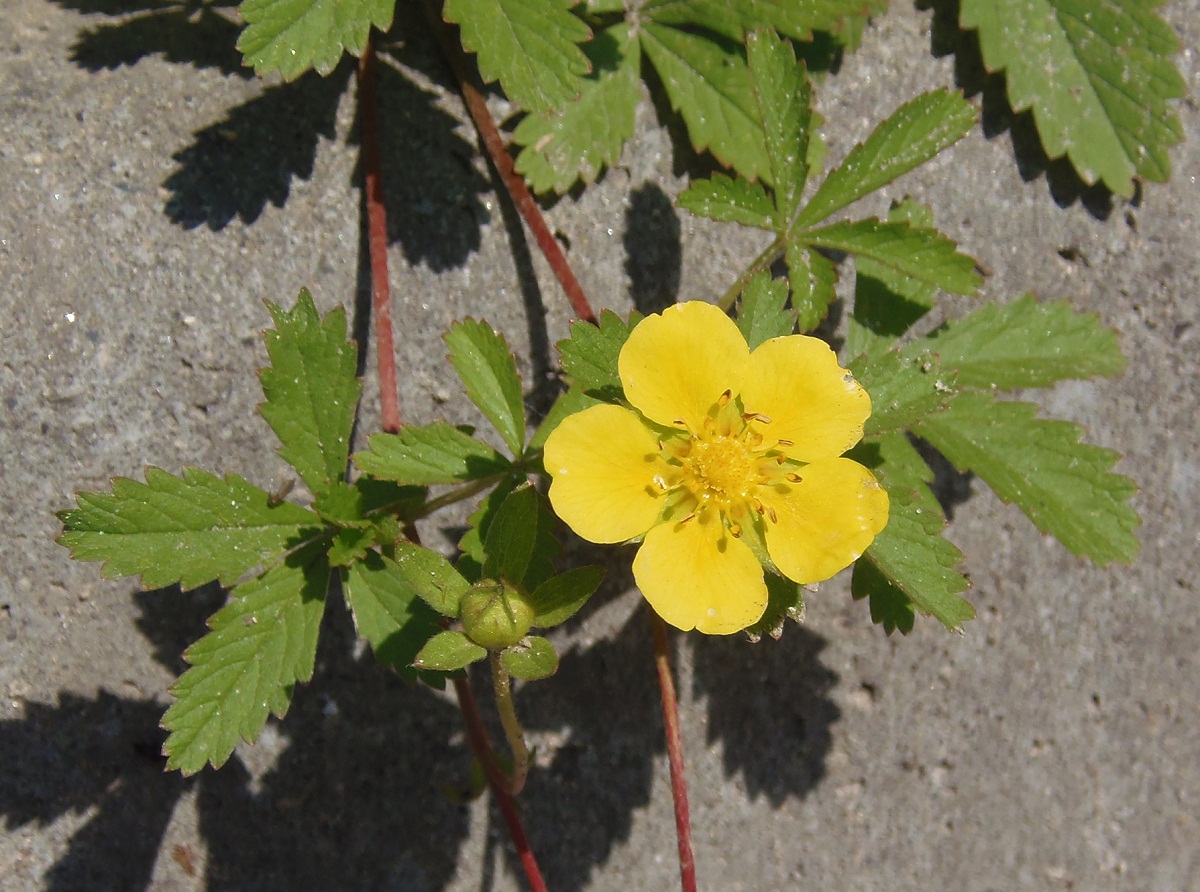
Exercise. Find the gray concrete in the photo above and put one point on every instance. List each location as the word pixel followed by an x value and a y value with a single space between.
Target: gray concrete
pixel 147 208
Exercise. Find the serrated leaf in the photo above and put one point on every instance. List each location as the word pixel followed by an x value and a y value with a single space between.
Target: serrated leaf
pixel 449 651
pixel 190 529
pixel 291 36
pixel 1026 344
pixel 915 132
pixel 470 562
pixel 904 388
pixel 589 356
pixel 729 200
pixel 529 46
pixel 850 36
pixel 568 403
pixel 558 598
pixel 708 84
pixel 733 18
pixel 585 135
pixel 784 101
pixel 489 372
pixel 430 577
pixel 1097 76
pixel 429 454
pixel 1063 486
pixel 785 600
pixel 350 545
pixel 763 313
pixel 812 278
pixel 520 543
pixel 388 612
pixel 922 254
pixel 533 658
pixel 262 642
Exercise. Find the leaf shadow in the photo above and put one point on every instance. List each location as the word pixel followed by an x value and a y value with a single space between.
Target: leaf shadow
pixel 653 249
pixel 1064 183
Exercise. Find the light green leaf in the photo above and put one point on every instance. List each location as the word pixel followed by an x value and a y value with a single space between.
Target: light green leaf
pixel 1063 486
pixel 850 36
pixel 311 391
pixel 558 598
pixel 292 36
pixel 915 132
pixel 1097 76
pixel 520 543
pixel 448 651
pixel 762 313
pixel 430 577
pixel 729 200
pixel 429 454
pixel 585 135
pixel 922 254
pixel 709 86
pixel 784 101
pixel 488 371
pixel 812 277
pixel 568 403
pixel 533 658
pixel 589 356
pixel 388 612
pixel 190 529
pixel 733 18
pixel 1026 344
pixel 527 45
pixel 262 642
pixel 904 388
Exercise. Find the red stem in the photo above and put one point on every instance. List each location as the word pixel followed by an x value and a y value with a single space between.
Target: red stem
pixel 381 298
pixel 472 93
pixel 670 705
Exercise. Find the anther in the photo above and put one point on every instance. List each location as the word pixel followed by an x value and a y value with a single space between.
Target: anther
pixel 794 478
pixel 724 398
pixel 783 442
pixel 735 530
pixel 774 517
pixel 691 516
pixel 758 506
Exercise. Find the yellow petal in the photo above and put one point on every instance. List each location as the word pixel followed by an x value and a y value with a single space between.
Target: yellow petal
pixel 811 400
pixel 602 463
pixel 825 522
pixel 697 576
pixel 675 366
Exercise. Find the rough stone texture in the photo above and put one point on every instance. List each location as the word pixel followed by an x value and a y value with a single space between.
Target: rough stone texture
pixel 149 203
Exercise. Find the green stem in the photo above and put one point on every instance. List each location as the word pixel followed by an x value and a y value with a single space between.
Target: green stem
pixel 502 684
pixel 772 253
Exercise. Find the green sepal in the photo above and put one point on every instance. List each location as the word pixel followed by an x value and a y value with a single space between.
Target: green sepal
pixel 532 659
pixel 388 612
pixel 558 598
pixel 431 577
pixel 449 651
pixel 520 544
pixel 785 600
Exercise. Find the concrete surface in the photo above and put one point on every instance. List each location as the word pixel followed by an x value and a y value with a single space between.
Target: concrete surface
pixel 149 203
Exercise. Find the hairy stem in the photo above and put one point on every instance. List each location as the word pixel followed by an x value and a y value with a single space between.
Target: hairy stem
pixel 502 684
pixel 772 253
pixel 670 705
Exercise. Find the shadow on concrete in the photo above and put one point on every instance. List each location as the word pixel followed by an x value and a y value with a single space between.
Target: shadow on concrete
pixel 653 249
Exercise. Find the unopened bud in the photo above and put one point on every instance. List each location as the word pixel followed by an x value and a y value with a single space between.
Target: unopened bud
pixel 495 615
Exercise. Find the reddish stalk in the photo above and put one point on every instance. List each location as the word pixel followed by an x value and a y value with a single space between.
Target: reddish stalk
pixel 389 400
pixel 670 705
pixel 472 92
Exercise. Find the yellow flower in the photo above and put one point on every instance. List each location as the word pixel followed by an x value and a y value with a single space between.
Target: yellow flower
pixel 729 459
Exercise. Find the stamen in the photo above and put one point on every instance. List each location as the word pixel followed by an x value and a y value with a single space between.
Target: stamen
pixel 735 530
pixel 758 506
pixel 691 516
pixel 783 442
pixel 660 482
pixel 795 478
pixel 756 416
pixel 774 517
pixel 724 398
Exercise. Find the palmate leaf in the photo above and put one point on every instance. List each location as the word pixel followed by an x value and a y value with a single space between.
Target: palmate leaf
pixel 587 134
pixel 388 612
pixel 489 372
pixel 589 356
pixel 784 101
pixel 311 391
pixel 733 18
pixel 430 454
pixel 292 36
pixel 1097 76
pixel 1065 487
pixel 529 46
pixel 261 644
pixel 190 529
pixel 729 200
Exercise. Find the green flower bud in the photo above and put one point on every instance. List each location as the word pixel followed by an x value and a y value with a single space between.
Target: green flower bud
pixel 495 615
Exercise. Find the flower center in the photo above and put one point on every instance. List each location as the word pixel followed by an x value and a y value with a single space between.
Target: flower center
pixel 721 468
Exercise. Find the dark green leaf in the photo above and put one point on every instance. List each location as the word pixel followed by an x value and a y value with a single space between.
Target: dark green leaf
pixel 762 313
pixel 388 612
pixel 733 18
pixel 428 454
pixel 291 36
pixel 589 356
pixel 904 389
pixel 784 102
pixel 729 200
pixel 812 278
pixel 520 543
pixel 350 544
pixel 488 371
pixel 449 651
pixel 558 598
pixel 532 659
pixel 470 563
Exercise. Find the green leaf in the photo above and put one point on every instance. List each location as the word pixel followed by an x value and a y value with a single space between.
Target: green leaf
pixel 558 598
pixel 311 391
pixel 708 84
pixel 784 101
pixel 349 545
pixel 1063 486
pixel 520 543
pixel 527 45
pixel 470 562
pixel 1027 344
pixel 890 607
pixel 762 313
pixel 733 18
pixel 533 658
pixel 915 132
pixel 388 612
pixel 368 500
pixel 589 356
pixel 812 278
pixel 292 36
pixel 190 529
pixel 430 577
pixel 568 403
pixel 785 600
pixel 262 642
pixel 448 652
pixel 1097 76
pixel 729 200
pixel 922 254
pixel 585 135
pixel 429 454
pixel 487 369
pixel 904 388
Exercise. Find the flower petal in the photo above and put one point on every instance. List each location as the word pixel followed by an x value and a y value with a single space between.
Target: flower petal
pixel 697 576
pixel 602 463
pixel 826 521
pixel 811 400
pixel 675 366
